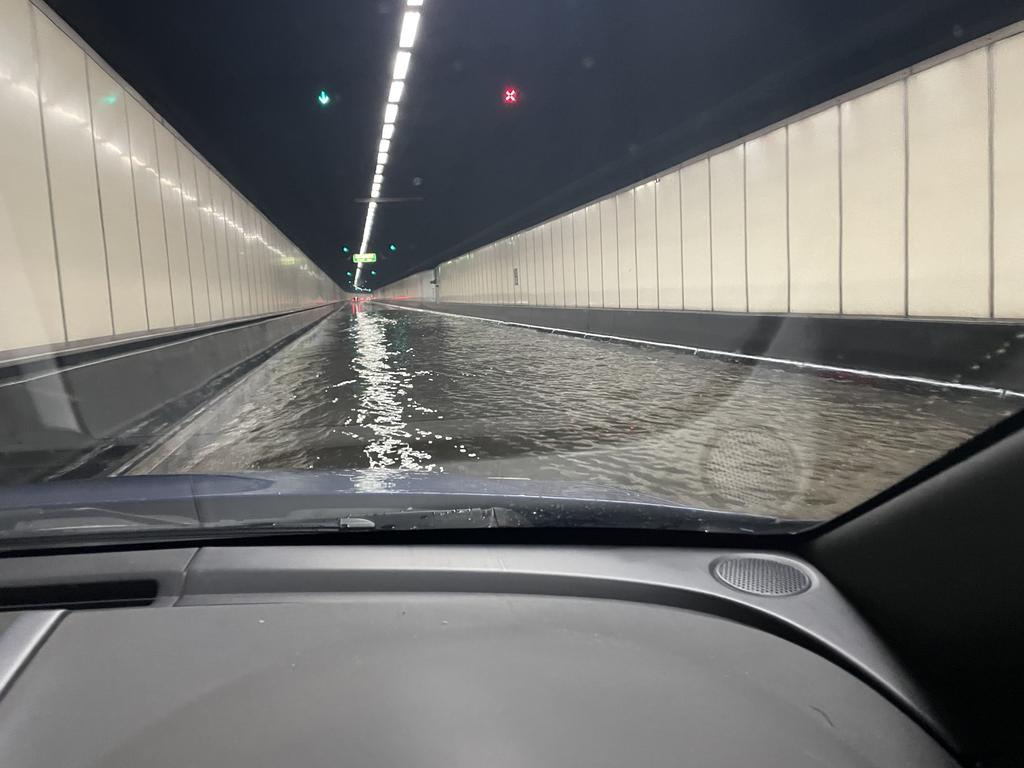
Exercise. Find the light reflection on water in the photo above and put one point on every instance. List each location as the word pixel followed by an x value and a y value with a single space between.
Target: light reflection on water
pixel 394 390
pixel 384 397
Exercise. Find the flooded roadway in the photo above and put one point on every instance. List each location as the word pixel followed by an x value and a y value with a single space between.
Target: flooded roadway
pixel 421 391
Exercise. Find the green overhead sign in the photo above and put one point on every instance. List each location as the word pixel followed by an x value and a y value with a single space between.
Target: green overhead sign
pixel 364 258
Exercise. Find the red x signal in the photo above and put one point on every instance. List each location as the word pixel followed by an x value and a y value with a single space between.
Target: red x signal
pixel 511 95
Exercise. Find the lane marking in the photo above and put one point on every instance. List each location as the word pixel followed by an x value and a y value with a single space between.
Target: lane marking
pixel 734 355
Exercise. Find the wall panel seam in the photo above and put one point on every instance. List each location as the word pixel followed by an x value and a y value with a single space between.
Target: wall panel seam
pixel 990 83
pixel 99 193
pixel 184 229
pixel 839 163
pixel 789 268
pixel 746 236
pixel 135 203
pixel 46 165
pixel 657 249
pixel 906 197
pixel 711 238
pixel 163 218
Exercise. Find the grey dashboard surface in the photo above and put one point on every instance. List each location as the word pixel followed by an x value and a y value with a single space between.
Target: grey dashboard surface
pixel 818 618
pixel 430 679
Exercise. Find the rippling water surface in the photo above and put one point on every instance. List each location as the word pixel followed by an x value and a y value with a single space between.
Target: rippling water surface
pixel 417 391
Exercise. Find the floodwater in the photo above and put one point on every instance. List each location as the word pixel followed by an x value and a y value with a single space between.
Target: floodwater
pixel 419 391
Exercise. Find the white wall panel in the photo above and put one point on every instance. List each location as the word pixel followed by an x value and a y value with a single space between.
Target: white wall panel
pixel 483 268
pixel 248 229
pixel 814 213
pixel 670 242
pixel 149 208
pixel 480 269
pixel 695 186
pixel 174 227
pixel 494 267
pixel 215 270
pixel 518 270
pixel 595 260
pixel 540 267
pixel 948 193
pixel 767 238
pixel 1008 179
pixel 609 253
pixel 117 201
pixel 728 246
pixel 900 200
pixel 264 263
pixel 536 279
pixel 511 291
pixel 485 265
pixel 243 304
pixel 225 248
pixel 542 264
pixel 646 245
pixel 565 223
pixel 873 264
pixel 505 271
pixel 580 257
pixel 244 271
pixel 30 312
pixel 553 233
pixel 554 267
pixel 625 228
pixel 231 240
pixel 193 234
pixel 67 124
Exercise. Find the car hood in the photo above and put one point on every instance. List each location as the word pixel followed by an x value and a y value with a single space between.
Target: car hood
pixel 380 499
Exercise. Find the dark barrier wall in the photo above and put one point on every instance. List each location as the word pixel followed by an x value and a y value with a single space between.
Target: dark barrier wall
pixel 977 353
pixel 52 415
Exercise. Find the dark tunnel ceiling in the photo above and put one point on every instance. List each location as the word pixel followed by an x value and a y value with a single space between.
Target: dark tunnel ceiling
pixel 612 91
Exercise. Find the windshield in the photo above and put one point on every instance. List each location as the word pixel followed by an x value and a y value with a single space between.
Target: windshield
pixel 669 264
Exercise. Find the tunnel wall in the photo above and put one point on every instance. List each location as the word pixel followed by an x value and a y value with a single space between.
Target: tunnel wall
pixel 111 225
pixel 902 199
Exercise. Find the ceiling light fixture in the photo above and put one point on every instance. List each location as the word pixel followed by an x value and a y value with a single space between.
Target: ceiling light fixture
pixel 410 23
pixel 403 58
pixel 401 65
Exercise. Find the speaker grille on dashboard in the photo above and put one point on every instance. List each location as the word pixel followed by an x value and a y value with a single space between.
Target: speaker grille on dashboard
pixel 761 576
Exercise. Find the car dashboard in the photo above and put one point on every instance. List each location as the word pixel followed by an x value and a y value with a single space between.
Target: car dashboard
pixel 383 655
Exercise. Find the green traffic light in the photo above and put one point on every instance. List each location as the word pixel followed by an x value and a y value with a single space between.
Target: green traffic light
pixel 344 249
pixel 348 274
pixel 373 272
pixel 323 98
pixel 392 247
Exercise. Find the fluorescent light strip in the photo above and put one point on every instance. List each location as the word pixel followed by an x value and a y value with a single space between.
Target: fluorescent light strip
pixel 402 65
pixel 403 57
pixel 410 23
pixel 395 94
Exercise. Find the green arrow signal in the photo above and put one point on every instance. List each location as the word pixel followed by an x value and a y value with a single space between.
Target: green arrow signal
pixel 323 98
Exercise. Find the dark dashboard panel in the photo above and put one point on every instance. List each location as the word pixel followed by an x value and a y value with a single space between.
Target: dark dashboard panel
pixel 434 679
